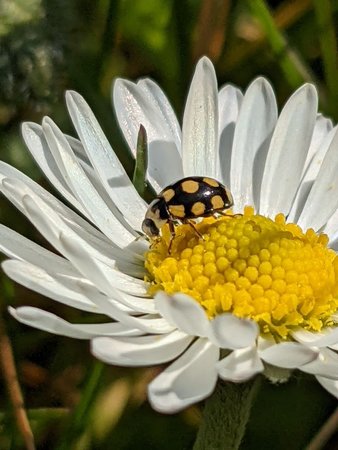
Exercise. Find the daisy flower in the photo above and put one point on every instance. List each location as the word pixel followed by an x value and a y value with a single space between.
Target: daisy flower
pixel 257 294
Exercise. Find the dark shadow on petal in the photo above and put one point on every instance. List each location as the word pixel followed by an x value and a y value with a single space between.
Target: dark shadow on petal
pixel 164 163
pixel 258 170
pixel 225 151
pixel 304 191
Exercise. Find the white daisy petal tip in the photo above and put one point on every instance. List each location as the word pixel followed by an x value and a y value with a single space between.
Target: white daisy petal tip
pixel 184 312
pixel 173 390
pixel 75 101
pixel 205 62
pixel 261 83
pixel 307 93
pixel 240 365
pixel 11 311
pixel 26 315
pixel 27 129
pixel 140 351
pixel 72 95
pixel 288 355
pixel 329 385
pixel 231 332
pixel 309 90
pixel 325 365
pixel 261 86
pixel 200 123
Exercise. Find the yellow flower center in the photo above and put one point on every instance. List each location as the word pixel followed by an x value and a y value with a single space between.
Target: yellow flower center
pixel 254 267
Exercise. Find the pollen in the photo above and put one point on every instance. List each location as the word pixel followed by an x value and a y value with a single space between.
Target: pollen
pixel 254 267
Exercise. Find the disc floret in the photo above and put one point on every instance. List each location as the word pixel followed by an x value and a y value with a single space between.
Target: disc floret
pixel 254 267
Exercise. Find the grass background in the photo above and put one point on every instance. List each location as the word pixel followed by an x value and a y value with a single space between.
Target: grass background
pixel 46 47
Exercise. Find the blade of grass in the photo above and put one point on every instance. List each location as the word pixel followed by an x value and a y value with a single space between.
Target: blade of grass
pixel 294 69
pixel 41 414
pixel 211 28
pixel 141 163
pixel 328 44
pixel 13 386
pixel 286 15
pixel 324 434
pixel 181 18
pixel 81 416
pixel 108 36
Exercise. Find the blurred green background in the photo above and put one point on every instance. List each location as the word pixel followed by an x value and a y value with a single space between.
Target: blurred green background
pixel 46 47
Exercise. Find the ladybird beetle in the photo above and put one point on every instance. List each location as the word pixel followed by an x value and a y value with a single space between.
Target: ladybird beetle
pixel 188 198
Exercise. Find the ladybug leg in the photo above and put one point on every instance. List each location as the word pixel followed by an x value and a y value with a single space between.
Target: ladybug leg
pixel 225 214
pixel 188 222
pixel 172 234
pixel 154 242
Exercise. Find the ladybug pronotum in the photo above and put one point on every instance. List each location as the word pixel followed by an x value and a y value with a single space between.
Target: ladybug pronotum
pixel 187 199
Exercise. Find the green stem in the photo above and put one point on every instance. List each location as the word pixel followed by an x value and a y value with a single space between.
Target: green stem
pixel 291 64
pixel 225 416
pixel 328 43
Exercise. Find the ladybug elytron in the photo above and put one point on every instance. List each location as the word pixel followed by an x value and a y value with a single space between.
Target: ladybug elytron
pixel 187 199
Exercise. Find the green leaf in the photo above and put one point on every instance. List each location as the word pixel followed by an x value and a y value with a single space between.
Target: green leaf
pixel 141 163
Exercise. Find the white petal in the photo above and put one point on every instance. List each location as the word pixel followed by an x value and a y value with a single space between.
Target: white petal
pixel 334 242
pixel 323 196
pixel 325 365
pixel 16 246
pixel 240 365
pixel 183 312
pixel 331 228
pixel 326 338
pixel 41 281
pixel 289 355
pixel 97 209
pixel 125 301
pixel 231 332
pixel 188 380
pixel 45 321
pixel 94 180
pixel 152 324
pixel 131 303
pixel 330 385
pixel 106 278
pixel 229 102
pixel 50 224
pixel 108 167
pixel 143 104
pixel 264 342
pixel 125 258
pixel 322 128
pixel 25 185
pixel 137 304
pixel 60 287
pixel 79 150
pixel 256 121
pixel 163 108
pixel 142 351
pixel 38 146
pixel 309 178
pixel 164 165
pixel 306 337
pixel 200 123
pixel 287 152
